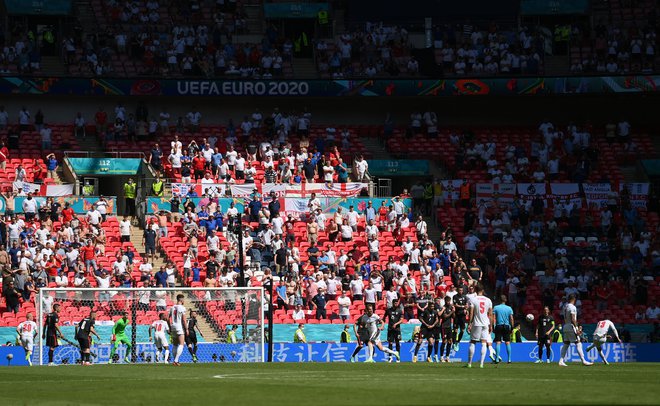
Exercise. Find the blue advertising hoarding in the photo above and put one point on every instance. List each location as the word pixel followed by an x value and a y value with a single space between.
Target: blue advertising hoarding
pixel 105 166
pixel 335 352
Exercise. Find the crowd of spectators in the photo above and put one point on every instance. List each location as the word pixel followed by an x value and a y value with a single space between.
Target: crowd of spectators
pixel 467 49
pixel 170 38
pixel 376 49
pixel 22 49
pixel 612 49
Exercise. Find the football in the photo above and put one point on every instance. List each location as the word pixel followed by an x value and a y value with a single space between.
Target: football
pixel 530 317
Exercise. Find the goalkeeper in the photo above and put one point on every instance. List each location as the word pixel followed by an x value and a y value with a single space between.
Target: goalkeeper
pixel 119 337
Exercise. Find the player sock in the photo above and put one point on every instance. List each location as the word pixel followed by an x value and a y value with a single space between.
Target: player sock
pixel 388 351
pixel 448 350
pixel 470 353
pixel 540 353
pixel 497 351
pixel 589 348
pixel 483 353
pixel 580 351
pixel 508 352
pixel 442 348
pixel 564 351
pixel 356 352
pixel 429 350
pixel 436 344
pixel 51 351
pixel 602 356
pixel 167 355
pixel 416 348
pixel 547 350
pixel 179 350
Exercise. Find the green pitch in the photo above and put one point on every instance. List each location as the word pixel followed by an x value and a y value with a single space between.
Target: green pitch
pixel 330 384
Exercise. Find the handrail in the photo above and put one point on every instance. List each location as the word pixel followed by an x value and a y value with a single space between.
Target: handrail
pixel 104 154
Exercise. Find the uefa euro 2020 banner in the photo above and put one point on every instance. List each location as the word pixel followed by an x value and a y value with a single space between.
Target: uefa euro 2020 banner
pixel 500 86
pixel 333 352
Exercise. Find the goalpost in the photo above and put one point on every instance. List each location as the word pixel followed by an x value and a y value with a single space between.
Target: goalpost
pixel 230 323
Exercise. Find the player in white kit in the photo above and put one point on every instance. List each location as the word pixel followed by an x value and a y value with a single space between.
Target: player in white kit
pixel 27 330
pixel 480 325
pixel 471 296
pixel 160 328
pixel 600 337
pixel 177 321
pixel 374 326
pixel 570 331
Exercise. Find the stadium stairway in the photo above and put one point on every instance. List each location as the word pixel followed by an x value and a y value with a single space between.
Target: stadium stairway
pixel 53 65
pixel 305 68
pixel 210 334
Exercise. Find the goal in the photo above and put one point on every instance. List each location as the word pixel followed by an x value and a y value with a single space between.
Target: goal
pixel 230 324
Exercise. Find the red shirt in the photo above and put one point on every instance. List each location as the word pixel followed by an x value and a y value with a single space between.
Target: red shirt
pixel 87 252
pixel 199 163
pixel 101 117
pixel 67 214
pixel 4 154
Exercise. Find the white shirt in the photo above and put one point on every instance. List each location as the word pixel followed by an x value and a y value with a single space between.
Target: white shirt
pixel 176 317
pixel 27 329
pixel 482 305
pixel 125 227
pixel 653 313
pixel 344 306
pixel 603 327
pixel 346 231
pixel 94 217
pixel 357 286
pixel 370 295
pixel 569 311
pixel 159 327
pixel 390 296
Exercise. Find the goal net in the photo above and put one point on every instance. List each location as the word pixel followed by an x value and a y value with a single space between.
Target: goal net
pixel 228 324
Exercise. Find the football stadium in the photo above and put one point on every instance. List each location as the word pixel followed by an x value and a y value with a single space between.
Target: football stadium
pixel 338 202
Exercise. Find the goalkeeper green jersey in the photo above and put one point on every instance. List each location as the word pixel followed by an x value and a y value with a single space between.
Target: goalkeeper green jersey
pixel 120 327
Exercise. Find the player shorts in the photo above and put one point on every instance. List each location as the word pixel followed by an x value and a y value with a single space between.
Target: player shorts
pixel 393 335
pixel 544 340
pixel 569 333
pixel 84 343
pixel 447 333
pixel 502 333
pixel 176 331
pixel 191 339
pixel 480 333
pixel 160 341
pixel 364 337
pixel 51 341
pixel 426 332
pixel 27 343
pixel 459 321
pixel 599 340
pixel 437 333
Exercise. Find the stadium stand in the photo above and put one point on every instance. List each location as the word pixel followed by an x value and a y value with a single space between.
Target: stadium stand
pixel 534 252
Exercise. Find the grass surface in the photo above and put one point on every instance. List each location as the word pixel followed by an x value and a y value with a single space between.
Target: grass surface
pixel 330 384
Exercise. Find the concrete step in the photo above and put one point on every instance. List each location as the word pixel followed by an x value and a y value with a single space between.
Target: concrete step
pixel 210 330
pixel 556 65
pixel 304 68
pixel 376 147
pixel 632 174
pixel 53 65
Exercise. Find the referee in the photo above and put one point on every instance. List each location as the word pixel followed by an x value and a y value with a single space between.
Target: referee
pixel 503 324
pixel 83 331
